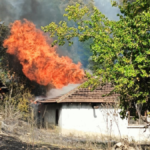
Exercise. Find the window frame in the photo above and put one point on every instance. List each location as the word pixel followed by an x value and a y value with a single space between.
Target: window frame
pixel 136 125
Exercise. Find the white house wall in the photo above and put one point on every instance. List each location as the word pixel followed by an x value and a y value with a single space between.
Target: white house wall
pixel 77 119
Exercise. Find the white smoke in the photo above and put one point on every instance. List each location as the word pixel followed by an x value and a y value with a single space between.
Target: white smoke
pixel 42 12
pixel 59 92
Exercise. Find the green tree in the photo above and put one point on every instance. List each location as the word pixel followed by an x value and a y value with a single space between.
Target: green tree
pixel 120 50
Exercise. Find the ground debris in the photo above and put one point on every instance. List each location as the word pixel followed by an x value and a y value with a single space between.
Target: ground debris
pixel 13 143
pixel 20 135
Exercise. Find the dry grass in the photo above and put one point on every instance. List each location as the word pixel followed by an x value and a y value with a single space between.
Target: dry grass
pixel 29 133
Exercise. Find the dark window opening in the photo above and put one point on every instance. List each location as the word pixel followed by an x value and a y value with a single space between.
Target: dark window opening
pixel 137 121
pixel 57 116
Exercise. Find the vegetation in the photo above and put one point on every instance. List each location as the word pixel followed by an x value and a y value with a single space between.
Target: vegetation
pixel 80 49
pixel 120 50
pixel 20 89
pixel 18 92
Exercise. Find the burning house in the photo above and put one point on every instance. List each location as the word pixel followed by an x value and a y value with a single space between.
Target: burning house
pixel 82 111
pixel 79 110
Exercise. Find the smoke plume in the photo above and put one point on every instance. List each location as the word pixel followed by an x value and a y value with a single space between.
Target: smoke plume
pixel 42 12
pixel 59 92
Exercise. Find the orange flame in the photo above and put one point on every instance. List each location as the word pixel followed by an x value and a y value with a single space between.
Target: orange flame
pixel 39 60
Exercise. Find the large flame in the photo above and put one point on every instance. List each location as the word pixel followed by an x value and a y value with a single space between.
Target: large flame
pixel 39 60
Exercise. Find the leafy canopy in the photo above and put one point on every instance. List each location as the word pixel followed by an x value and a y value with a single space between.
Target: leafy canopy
pixel 120 50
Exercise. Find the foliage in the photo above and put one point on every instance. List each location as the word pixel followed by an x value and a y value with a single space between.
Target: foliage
pixel 79 51
pixel 4 31
pixel 120 50
pixel 19 92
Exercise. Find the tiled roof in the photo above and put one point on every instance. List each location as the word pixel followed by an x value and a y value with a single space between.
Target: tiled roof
pixel 84 95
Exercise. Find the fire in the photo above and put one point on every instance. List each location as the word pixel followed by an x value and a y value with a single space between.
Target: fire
pixel 39 60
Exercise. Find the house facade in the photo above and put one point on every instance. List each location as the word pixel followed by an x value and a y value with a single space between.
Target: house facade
pixel 83 112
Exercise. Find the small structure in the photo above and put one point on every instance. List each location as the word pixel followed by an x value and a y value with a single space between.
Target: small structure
pixel 82 112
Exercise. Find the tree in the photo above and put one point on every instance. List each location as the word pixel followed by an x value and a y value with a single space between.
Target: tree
pixel 18 89
pixel 120 50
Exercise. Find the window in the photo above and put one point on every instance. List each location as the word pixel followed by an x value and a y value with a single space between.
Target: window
pixel 138 121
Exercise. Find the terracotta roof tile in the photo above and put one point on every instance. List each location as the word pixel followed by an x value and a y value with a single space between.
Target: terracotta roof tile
pixel 86 95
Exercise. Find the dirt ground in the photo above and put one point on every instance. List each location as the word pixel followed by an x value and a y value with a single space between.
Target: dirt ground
pixel 13 143
pixel 19 135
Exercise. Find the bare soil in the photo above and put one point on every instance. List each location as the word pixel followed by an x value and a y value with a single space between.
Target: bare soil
pixel 14 143
pixel 19 135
